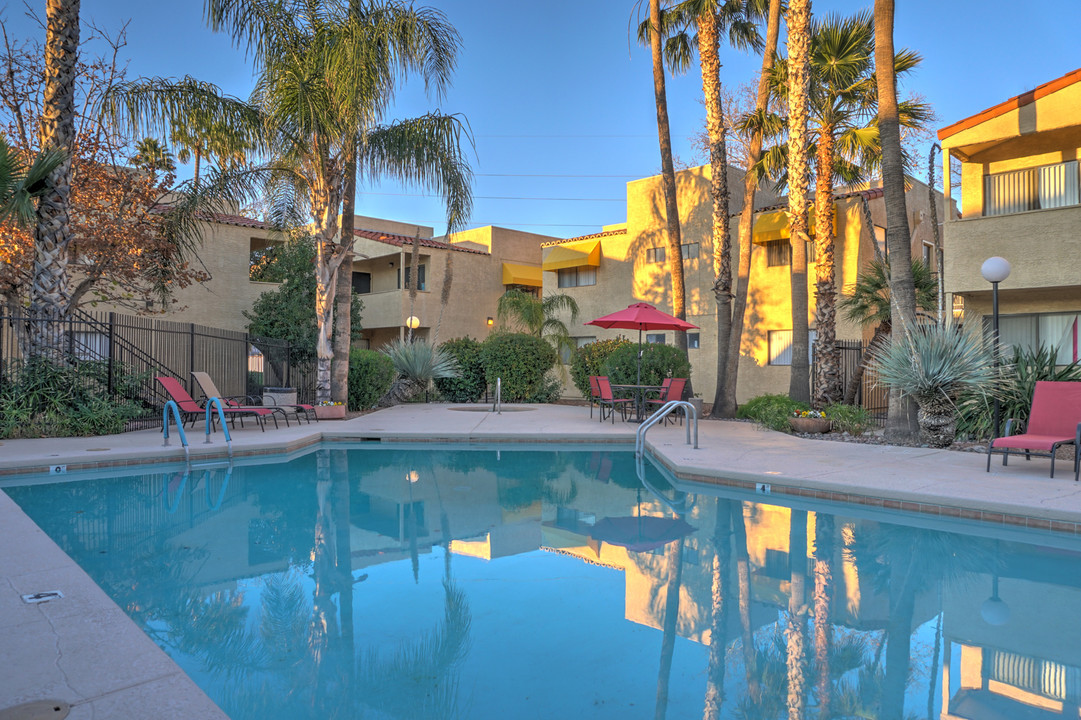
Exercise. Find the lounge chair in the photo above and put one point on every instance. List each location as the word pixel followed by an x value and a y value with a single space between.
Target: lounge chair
pixel 606 398
pixel 671 389
pixel 206 384
pixel 1053 421
pixel 191 410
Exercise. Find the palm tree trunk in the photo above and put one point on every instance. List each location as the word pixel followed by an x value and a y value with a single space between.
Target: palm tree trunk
pixel 674 563
pixel 326 202
pixel 796 628
pixel 901 421
pixel 343 296
pixel 709 52
pixel 718 639
pixel 828 382
pixel 49 292
pixel 881 333
pixel 746 220
pixel 823 601
pixel 799 77
pixel 743 580
pixel 668 174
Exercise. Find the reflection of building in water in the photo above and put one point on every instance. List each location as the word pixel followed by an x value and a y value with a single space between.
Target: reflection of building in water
pixel 1022 659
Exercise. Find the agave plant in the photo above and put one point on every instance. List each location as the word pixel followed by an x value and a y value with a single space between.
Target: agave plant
pixel 418 363
pixel 935 365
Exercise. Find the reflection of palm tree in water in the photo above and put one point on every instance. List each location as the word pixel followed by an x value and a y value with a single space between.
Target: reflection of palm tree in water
pixel 720 591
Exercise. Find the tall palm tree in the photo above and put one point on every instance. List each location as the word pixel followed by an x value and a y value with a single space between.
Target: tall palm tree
pixel 309 99
pixel 798 21
pixel 750 184
pixel 668 173
pixel 901 420
pixel 152 154
pixel 539 317
pixel 49 291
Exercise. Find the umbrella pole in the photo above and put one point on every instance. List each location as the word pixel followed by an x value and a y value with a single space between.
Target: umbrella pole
pixel 639 381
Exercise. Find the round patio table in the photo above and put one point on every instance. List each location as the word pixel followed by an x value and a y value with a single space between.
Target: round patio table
pixel 639 397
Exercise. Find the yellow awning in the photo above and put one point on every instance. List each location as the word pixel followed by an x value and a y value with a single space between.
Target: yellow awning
pixel 575 254
pixel 774 226
pixel 515 274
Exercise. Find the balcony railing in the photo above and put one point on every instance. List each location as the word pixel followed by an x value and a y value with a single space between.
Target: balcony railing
pixel 1039 188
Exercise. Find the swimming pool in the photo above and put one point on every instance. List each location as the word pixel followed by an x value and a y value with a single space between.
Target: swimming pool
pixel 501 582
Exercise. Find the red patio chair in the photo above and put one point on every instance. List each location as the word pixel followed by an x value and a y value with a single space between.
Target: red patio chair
pixel 1053 421
pixel 607 398
pixel 671 389
pixel 191 410
pixel 594 392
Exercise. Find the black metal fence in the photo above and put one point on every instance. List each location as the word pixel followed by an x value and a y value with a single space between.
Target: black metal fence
pixel 122 355
pixel 869 394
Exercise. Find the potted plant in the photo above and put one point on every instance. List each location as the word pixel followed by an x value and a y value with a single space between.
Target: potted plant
pixel 935 365
pixel 328 410
pixel 809 421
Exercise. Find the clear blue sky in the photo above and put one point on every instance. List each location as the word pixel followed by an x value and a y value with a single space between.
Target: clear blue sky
pixel 558 88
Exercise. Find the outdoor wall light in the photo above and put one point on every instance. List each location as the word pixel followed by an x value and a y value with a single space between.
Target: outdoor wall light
pixel 491 322
pixel 412 322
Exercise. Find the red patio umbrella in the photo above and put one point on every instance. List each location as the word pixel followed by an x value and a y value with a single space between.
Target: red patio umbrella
pixel 642 316
pixel 638 533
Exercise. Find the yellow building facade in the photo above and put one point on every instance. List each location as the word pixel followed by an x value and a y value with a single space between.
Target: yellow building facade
pixel 1020 199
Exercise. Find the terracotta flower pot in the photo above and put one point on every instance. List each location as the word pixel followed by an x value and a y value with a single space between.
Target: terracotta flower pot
pixel 809 424
pixel 330 412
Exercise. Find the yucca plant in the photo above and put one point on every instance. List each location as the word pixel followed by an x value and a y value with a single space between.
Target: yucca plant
pixel 417 363
pixel 1015 390
pixel 936 365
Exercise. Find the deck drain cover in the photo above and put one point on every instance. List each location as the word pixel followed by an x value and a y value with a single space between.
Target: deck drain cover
pixel 40 597
pixel 37 710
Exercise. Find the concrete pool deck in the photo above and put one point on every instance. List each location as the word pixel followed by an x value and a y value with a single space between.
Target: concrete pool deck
pixel 82 649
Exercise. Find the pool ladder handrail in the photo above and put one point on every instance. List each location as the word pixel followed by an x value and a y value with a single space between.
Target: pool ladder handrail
pixel 677 506
pixel 179 427
pixel 211 403
pixel 666 409
pixel 497 406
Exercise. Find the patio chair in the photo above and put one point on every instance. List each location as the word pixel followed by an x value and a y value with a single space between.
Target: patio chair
pixel 206 384
pixel 1053 421
pixel 671 389
pixel 606 398
pixel 594 392
pixel 191 410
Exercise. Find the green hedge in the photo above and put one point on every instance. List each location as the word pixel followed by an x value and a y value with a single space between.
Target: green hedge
pixel 590 359
pixel 771 411
pixel 522 362
pixel 370 375
pixel 658 362
pixel 469 386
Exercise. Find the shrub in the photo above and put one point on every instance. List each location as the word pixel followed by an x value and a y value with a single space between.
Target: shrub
pixel 851 419
pixel 1016 386
pixel 417 363
pixel 470 384
pixel 590 359
pixel 40 398
pixel 658 362
pixel 771 411
pixel 522 362
pixel 370 376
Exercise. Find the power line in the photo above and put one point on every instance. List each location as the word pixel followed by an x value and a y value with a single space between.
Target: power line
pixel 561 137
pixel 436 223
pixel 499 197
pixel 540 175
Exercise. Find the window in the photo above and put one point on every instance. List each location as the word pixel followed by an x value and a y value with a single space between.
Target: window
pixel 1052 330
pixel 692 341
pixel 421 282
pixel 362 283
pixel 566 353
pixel 780 346
pixel 657 338
pixel 1039 188
pixel 928 254
pixel 779 252
pixel 577 277
pixel 655 255
pixel 690 251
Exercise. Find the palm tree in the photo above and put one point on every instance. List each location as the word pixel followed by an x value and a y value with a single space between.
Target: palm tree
pixel 798 21
pixel 49 292
pixel 868 303
pixel 750 183
pixel 21 186
pixel 539 317
pixel 901 420
pixel 152 154
pixel 668 173
pixel 309 99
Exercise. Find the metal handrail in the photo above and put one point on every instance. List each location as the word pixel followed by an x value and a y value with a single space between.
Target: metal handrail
pixel 497 406
pixel 666 409
pixel 179 426
pixel 211 403
pixel 679 507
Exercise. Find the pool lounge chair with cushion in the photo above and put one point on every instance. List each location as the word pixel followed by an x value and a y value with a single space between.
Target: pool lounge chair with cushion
pixel 206 384
pixel 191 410
pixel 1053 421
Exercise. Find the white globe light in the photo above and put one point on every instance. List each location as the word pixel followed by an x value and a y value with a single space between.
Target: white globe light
pixel 994 611
pixel 412 322
pixel 995 269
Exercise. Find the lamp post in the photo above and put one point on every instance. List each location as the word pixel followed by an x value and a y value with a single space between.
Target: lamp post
pixel 995 270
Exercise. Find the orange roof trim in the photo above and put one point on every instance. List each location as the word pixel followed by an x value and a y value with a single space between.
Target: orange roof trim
pixel 606 233
pixel 1013 103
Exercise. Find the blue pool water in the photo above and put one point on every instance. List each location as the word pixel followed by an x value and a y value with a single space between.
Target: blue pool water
pixel 394 582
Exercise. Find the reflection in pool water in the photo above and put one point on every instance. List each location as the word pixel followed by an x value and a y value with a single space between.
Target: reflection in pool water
pixel 482 583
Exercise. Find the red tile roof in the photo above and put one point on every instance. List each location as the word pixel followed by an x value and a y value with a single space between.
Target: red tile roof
pixel 594 236
pixel 869 194
pixel 239 221
pixel 1013 103
pixel 402 240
